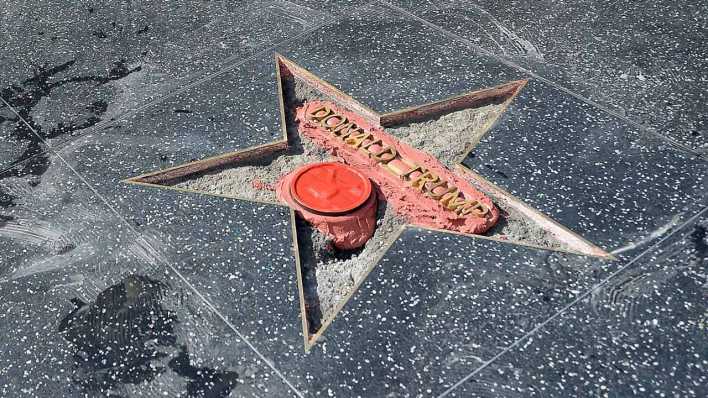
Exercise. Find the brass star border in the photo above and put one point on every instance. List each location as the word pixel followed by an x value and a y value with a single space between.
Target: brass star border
pixel 504 93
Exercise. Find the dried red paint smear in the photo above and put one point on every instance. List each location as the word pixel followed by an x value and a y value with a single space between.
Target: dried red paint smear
pixel 348 231
pixel 406 200
pixel 331 188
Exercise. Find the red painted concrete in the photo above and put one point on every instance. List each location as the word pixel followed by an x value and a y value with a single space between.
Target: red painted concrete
pixel 413 205
pixel 348 231
pixel 330 188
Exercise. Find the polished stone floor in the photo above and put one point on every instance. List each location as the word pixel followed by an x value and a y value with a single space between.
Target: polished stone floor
pixel 118 290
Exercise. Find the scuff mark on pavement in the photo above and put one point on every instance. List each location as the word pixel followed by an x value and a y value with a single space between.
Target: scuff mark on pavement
pixel 37 233
pixel 508 42
pixel 649 238
pixel 25 96
pixel 55 262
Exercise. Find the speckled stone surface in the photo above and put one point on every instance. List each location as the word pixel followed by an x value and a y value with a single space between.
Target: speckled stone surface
pixel 166 40
pixel 68 69
pixel 240 108
pixel 640 334
pixel 589 171
pixel 90 306
pixel 13 148
pixel 426 307
pixel 645 60
pixel 389 61
pixel 198 289
pixel 330 10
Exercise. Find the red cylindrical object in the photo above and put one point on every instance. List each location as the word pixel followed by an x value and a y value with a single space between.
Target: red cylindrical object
pixel 336 199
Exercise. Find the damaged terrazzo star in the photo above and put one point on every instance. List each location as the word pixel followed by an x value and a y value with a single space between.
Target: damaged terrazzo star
pixel 353 188
pixel 417 186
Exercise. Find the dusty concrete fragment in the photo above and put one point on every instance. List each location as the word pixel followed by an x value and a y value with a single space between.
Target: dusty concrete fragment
pixel 336 273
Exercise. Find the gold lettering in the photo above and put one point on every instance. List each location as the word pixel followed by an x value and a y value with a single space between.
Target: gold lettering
pixel 420 178
pixel 420 181
pixel 345 131
pixel 396 167
pixel 357 140
pixel 452 200
pixel 476 208
pixel 341 120
pixel 431 190
pixel 415 168
pixel 320 113
pixel 387 154
pixel 372 143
